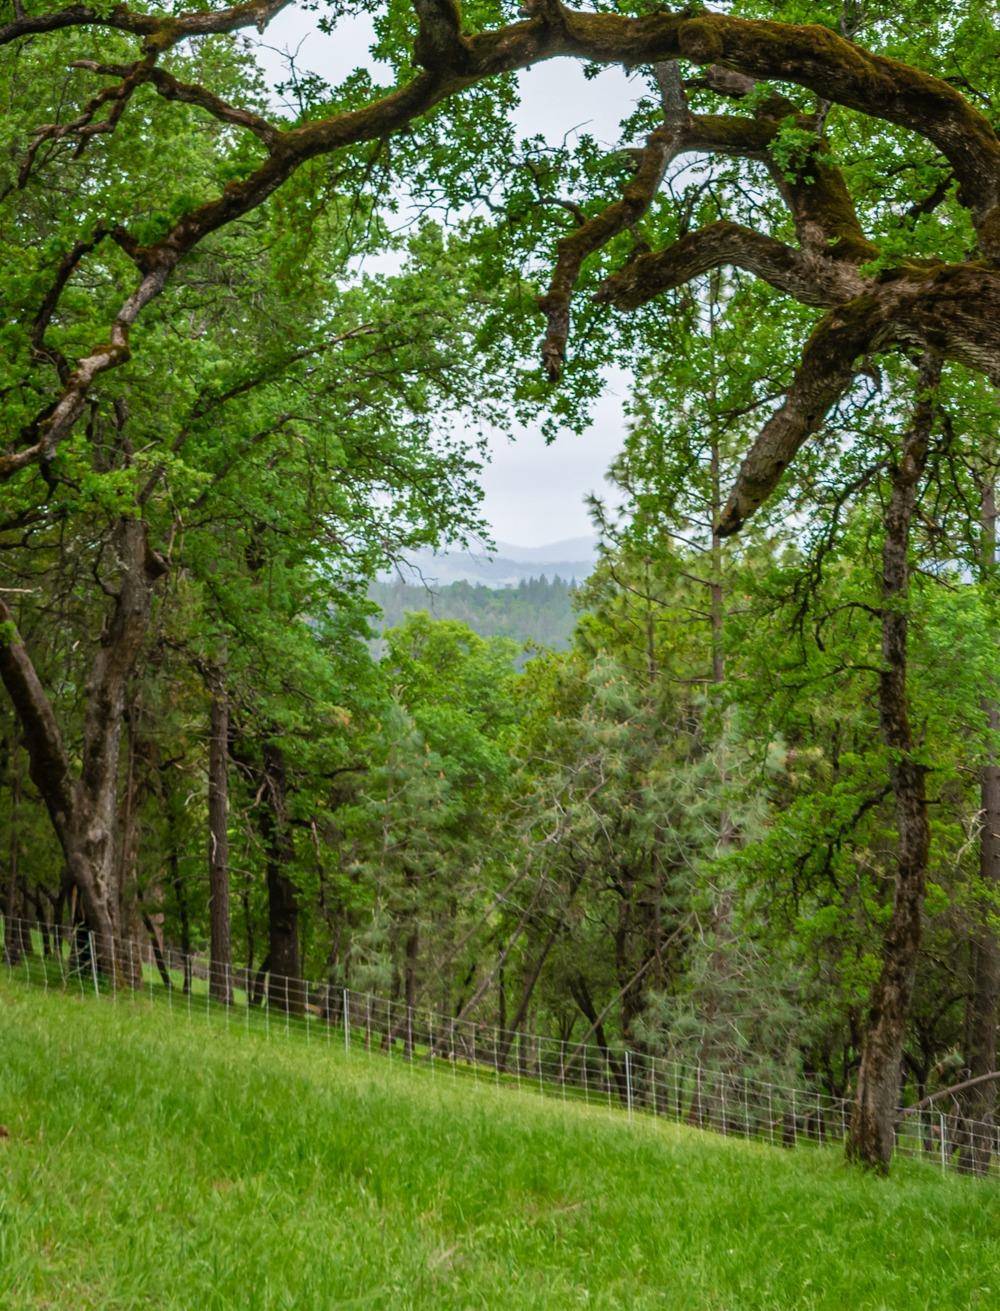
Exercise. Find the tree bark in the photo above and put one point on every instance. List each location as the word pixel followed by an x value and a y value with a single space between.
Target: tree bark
pixel 983 1005
pixel 129 916
pixel 410 958
pixel 180 894
pixel 11 929
pixel 83 806
pixel 220 945
pixel 286 988
pixel 616 1067
pixel 871 1137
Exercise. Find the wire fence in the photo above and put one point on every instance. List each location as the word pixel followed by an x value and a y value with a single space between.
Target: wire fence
pixel 632 1083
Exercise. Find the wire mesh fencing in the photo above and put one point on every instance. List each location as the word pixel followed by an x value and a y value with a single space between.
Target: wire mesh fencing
pixel 619 1079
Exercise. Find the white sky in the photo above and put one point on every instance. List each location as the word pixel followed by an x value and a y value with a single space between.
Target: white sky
pixel 533 493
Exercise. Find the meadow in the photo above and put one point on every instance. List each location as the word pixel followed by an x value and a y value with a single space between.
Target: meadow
pixel 154 1162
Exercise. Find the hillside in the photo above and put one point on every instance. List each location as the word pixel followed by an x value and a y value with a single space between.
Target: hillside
pixel 152 1163
pixel 536 610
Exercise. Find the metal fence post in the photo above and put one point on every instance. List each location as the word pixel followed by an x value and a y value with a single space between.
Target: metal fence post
pixel 93 963
pixel 944 1150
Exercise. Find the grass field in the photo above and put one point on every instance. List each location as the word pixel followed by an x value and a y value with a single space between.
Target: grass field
pixel 157 1163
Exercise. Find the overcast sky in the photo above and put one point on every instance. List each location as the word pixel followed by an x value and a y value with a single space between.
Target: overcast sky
pixel 534 493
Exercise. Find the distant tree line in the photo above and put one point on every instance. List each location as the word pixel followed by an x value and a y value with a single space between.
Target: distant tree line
pixel 536 611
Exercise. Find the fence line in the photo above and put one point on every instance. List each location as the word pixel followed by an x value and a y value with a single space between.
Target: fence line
pixel 73 958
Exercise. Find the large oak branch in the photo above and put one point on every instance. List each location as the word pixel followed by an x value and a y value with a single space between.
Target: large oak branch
pixel 953 311
pixel 811 281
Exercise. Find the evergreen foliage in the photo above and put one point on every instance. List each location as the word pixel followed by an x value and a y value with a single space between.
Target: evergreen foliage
pixel 537 611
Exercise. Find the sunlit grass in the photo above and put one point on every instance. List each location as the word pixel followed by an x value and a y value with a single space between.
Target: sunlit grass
pixel 154 1162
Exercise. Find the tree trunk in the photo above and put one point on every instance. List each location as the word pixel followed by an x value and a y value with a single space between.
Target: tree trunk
pixel 616 1067
pixel 159 955
pixel 527 991
pixel 871 1137
pixel 129 916
pixel 411 955
pixel 286 989
pixel 712 1049
pixel 180 894
pixel 11 929
pixel 983 1006
pixel 220 950
pixel 83 808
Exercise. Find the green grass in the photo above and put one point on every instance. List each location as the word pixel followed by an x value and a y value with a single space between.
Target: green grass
pixel 155 1163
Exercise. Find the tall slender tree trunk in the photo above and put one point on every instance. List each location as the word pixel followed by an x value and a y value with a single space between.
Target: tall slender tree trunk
pixel 712 1051
pixel 982 1011
pixel 129 914
pixel 286 991
pixel 872 1133
pixel 220 945
pixel 410 958
pixel 527 991
pixel 11 929
pixel 180 893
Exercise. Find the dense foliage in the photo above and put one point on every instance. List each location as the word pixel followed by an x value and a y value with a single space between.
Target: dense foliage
pixel 538 611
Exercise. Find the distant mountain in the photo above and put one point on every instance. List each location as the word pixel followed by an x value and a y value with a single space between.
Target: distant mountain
pixel 575 548
pixel 508 565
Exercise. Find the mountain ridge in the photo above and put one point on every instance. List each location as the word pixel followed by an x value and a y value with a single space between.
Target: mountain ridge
pixel 572 560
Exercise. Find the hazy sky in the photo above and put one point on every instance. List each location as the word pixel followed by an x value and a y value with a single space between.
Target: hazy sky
pixel 533 492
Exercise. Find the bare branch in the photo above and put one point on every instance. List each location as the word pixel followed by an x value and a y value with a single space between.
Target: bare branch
pixel 171 88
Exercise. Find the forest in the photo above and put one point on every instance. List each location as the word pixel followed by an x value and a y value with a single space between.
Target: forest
pixel 535 612
pixel 256 338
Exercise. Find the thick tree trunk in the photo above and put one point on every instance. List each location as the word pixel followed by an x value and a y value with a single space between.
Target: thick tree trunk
pixel 83 808
pixel 873 1122
pixel 220 953
pixel 983 1006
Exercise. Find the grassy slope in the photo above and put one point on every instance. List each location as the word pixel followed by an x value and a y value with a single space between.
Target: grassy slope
pixel 153 1163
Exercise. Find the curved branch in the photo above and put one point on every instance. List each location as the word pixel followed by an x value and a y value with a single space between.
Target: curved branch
pixel 917 1107
pixel 817 58
pixel 811 56
pixel 807 54
pixel 811 281
pixel 254 13
pixel 64 271
pixel 291 149
pixel 171 88
pixel 661 146
pixel 828 367
pixel 83 126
